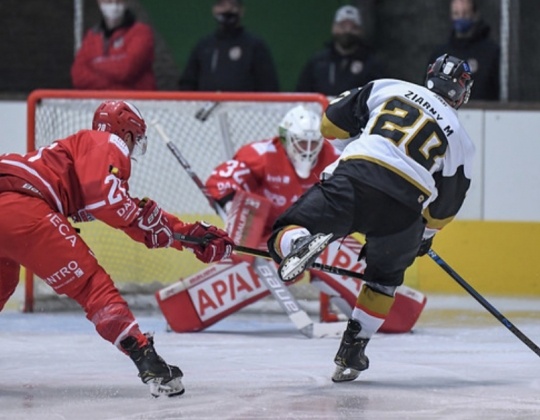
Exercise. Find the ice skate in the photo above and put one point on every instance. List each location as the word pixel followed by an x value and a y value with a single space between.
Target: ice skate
pixel 163 379
pixel 304 252
pixel 350 358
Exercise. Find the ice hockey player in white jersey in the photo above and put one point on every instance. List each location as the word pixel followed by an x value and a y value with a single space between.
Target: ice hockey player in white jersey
pixel 400 179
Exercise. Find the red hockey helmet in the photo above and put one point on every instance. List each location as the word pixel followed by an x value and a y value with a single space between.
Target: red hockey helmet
pixel 121 117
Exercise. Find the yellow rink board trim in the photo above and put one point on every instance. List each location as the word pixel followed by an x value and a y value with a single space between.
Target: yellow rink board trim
pixel 128 261
pixel 497 258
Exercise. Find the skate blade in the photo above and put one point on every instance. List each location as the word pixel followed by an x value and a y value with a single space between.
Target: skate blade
pixel 292 267
pixel 173 388
pixel 343 374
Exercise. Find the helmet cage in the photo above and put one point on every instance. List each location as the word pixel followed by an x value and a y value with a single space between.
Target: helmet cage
pixel 300 134
pixel 303 150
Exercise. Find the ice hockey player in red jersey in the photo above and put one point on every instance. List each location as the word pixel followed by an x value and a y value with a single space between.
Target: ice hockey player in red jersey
pixel 258 184
pixel 402 177
pixel 85 177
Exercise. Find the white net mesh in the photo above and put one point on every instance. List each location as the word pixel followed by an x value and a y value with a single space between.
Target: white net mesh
pixel 206 132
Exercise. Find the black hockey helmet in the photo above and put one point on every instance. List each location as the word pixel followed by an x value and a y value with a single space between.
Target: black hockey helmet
pixel 451 78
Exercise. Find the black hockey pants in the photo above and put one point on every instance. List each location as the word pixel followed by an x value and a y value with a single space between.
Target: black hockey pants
pixel 342 205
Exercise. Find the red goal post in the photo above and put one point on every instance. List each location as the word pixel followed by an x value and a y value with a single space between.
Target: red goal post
pixel 208 128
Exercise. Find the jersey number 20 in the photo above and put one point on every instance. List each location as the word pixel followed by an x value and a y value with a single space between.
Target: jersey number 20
pixel 410 128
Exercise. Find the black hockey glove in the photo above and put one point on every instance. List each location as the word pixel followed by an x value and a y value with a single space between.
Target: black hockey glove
pixel 425 246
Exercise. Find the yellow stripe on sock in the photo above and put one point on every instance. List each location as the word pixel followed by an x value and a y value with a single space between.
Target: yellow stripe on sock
pixel 374 303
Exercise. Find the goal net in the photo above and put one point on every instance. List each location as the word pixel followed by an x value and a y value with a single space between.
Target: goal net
pixel 207 127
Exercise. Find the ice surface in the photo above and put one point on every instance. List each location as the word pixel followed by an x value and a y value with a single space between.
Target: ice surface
pixel 459 363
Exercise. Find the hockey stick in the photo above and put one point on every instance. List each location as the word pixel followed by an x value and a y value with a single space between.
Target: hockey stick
pixel 266 271
pixel 187 167
pixel 461 281
pixel 265 254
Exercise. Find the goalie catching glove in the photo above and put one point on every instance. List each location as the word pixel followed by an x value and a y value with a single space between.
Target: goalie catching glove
pixel 215 244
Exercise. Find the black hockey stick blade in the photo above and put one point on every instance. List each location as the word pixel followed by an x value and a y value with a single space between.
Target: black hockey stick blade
pixel 265 254
pixel 480 299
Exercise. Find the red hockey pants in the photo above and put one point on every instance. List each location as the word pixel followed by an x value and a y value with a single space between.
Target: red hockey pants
pixel 42 240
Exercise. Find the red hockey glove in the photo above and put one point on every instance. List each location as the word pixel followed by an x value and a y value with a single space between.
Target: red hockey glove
pixel 156 225
pixel 216 244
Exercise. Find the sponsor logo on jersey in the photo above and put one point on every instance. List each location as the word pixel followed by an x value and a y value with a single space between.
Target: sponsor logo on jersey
pixel 65 275
pixel 225 290
pixel 278 199
pixel 64 228
pixel 278 179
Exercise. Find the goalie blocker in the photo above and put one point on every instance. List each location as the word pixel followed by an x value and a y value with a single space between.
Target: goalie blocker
pixel 201 300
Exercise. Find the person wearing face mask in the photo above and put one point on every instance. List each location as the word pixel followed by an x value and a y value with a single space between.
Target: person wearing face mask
pixel 470 40
pixel 347 62
pixel 231 58
pixel 117 54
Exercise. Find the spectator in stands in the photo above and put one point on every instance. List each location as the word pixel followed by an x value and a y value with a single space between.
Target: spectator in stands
pixel 347 62
pixel 470 40
pixel 230 59
pixel 117 54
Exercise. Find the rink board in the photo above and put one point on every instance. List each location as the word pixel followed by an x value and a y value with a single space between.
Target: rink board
pixel 500 258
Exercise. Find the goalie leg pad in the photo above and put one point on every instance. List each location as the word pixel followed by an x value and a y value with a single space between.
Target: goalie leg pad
pixel 408 304
pixel 201 300
pixel 247 218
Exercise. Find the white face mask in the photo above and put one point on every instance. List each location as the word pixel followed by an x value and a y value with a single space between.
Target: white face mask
pixel 112 11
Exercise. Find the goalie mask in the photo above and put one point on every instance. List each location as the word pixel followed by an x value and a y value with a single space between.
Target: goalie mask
pixel 451 78
pixel 300 133
pixel 121 117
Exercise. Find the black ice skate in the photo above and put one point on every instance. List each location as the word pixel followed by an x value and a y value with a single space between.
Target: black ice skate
pixel 304 252
pixel 163 379
pixel 350 358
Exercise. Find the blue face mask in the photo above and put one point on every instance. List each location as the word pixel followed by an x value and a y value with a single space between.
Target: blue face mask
pixel 462 25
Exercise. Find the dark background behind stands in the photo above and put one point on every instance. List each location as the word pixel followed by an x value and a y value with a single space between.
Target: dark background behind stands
pixel 37 37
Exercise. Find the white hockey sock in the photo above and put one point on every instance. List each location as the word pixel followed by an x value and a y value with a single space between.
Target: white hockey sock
pixel 370 324
pixel 288 237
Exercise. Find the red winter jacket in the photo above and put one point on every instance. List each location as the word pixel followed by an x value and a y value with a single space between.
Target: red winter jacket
pixel 123 61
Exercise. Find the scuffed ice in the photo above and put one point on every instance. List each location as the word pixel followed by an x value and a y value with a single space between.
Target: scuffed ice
pixel 460 363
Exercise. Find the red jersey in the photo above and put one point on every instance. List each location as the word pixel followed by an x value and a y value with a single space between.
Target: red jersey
pixel 84 176
pixel 263 168
pixel 124 61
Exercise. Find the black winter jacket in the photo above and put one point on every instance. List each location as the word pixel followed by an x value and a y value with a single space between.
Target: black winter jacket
pixel 230 61
pixel 331 73
pixel 482 54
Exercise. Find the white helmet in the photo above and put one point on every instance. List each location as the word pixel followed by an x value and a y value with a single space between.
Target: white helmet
pixel 300 134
